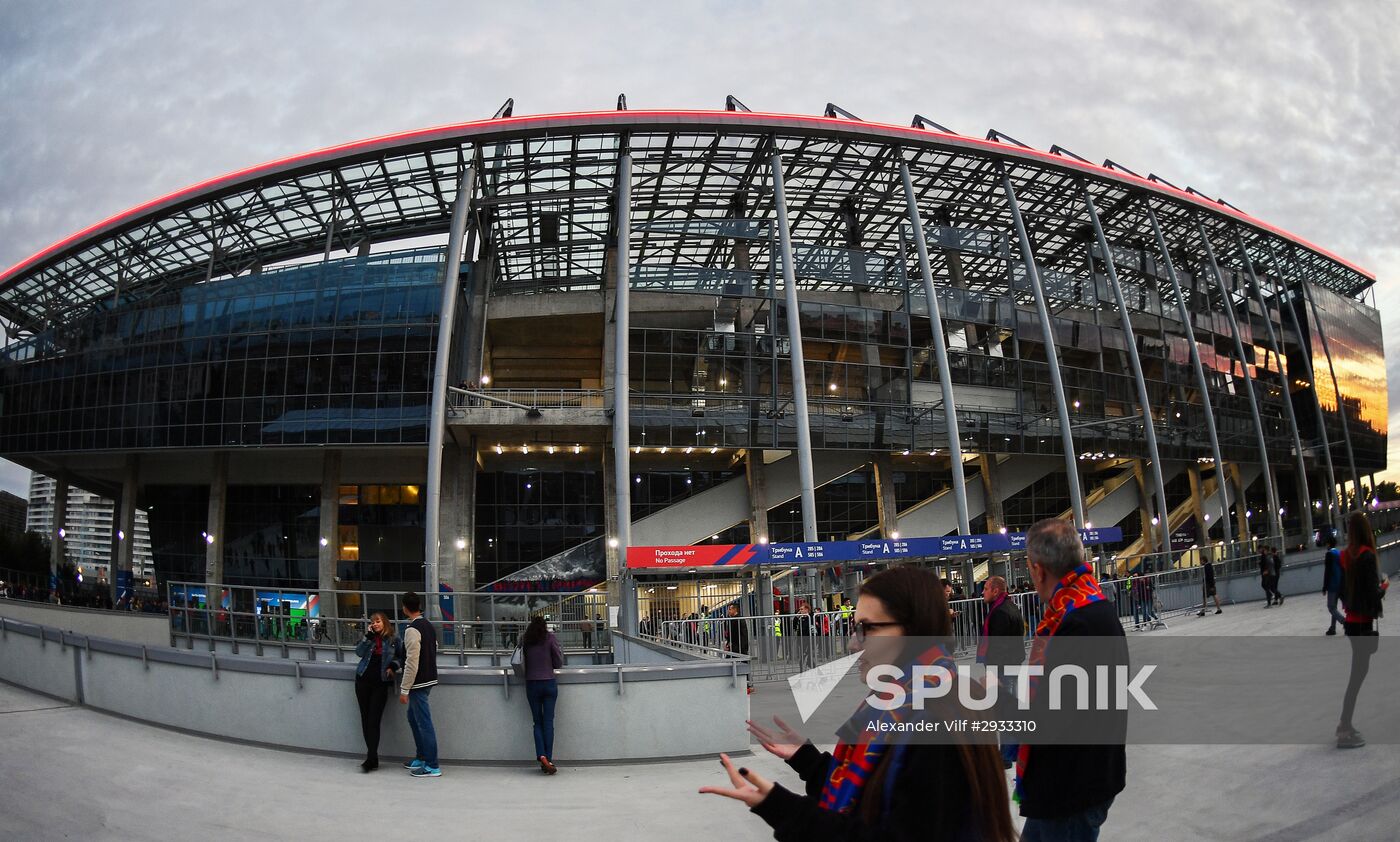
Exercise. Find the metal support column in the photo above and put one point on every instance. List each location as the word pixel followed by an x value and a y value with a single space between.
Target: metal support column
pixel 622 431
pixel 1052 357
pixel 1333 510
pixel 1185 314
pixel 799 374
pixel 1305 498
pixel 940 353
pixel 1149 428
pixel 1229 305
pixel 1336 387
pixel 442 357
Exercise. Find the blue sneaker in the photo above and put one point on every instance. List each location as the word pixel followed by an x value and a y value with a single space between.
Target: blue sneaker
pixel 413 765
pixel 427 772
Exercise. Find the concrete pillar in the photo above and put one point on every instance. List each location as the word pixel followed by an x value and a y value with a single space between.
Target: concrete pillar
pixel 1145 510
pixel 612 553
pixel 885 499
pixel 756 472
pixel 57 540
pixel 1241 504
pixel 473 344
pixel 457 527
pixel 1198 505
pixel 991 491
pixel 124 524
pixel 328 553
pixel 214 526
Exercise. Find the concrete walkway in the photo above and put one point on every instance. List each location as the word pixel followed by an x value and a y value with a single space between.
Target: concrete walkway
pixel 71 773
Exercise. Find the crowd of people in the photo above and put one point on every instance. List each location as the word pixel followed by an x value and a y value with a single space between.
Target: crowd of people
pixel 406 667
pixel 85 597
pixel 871 789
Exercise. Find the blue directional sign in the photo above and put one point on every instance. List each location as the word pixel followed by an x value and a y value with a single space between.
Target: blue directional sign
pixel 1106 535
pixel 837 552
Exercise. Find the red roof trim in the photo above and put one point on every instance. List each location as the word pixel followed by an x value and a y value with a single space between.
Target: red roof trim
pixel 640 117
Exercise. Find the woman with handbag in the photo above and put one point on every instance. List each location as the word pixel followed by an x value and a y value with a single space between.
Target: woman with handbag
pixel 1363 590
pixel 883 790
pixel 541 656
pixel 381 657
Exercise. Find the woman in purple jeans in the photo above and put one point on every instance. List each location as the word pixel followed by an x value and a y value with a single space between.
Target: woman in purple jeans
pixel 542 658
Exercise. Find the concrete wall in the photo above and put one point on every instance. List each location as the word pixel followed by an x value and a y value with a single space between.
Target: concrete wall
pixel 677 710
pixel 1302 576
pixel 150 629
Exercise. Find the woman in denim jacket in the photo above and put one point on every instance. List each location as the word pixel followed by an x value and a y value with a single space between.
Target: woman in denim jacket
pixel 381 658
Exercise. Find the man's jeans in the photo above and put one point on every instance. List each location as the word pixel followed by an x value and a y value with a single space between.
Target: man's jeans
pixel 1337 618
pixel 420 722
pixel 1007 707
pixel 1080 827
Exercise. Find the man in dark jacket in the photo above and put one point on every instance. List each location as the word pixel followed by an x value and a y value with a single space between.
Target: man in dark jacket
pixel 1003 644
pixel 1208 587
pixel 736 631
pixel 1332 580
pixel 1067 790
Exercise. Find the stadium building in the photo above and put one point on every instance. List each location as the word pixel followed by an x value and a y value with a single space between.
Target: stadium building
pixel 494 355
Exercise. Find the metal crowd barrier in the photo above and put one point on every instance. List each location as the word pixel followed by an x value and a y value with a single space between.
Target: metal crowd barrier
pixel 330 623
pixel 779 645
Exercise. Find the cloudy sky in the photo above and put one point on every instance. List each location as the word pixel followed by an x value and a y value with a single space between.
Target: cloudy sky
pixel 1288 111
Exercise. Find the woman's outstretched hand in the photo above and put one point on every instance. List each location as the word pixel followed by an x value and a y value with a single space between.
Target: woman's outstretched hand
pixel 748 786
pixel 782 742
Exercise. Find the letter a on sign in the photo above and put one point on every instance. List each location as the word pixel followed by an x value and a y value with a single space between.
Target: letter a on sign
pixel 799 552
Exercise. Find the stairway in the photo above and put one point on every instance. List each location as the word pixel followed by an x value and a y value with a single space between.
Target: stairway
pixel 694 518
pixel 1130 557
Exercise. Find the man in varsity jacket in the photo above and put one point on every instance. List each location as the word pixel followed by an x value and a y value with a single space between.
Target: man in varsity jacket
pixel 419 676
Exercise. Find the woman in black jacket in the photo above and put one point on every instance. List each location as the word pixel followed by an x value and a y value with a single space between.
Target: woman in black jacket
pixel 873 791
pixel 1363 589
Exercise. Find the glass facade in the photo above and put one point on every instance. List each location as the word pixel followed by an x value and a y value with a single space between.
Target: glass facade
pixel 1354 340
pixel 123 349
pixel 272 535
pixel 524 517
pixel 178 517
pixel 326 353
pixel 380 544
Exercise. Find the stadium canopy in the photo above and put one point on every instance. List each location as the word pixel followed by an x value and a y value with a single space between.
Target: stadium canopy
pixel 545 206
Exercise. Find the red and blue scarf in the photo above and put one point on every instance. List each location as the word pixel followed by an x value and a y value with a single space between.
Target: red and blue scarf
pixel 1077 589
pixel 852 763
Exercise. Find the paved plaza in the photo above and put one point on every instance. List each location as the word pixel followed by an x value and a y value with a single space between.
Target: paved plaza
pixel 71 773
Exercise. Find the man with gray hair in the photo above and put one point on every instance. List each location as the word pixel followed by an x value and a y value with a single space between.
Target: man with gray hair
pixel 1065 791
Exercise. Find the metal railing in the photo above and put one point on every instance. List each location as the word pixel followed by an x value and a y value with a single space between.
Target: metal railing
pixel 312 623
pixel 779 645
pixel 460 398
